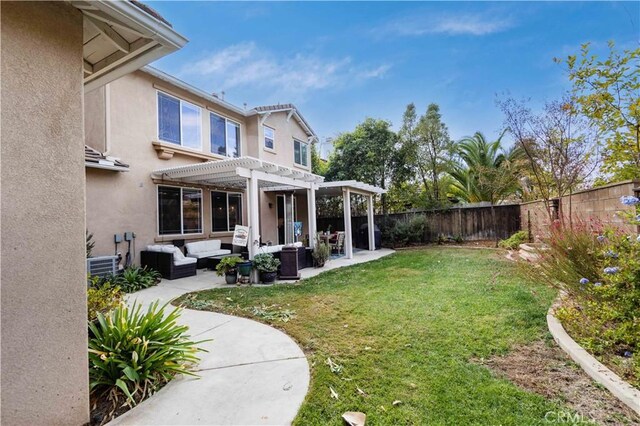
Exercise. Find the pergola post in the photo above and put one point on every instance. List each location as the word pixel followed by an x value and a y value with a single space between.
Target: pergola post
pixel 370 217
pixel 348 244
pixel 311 207
pixel 254 218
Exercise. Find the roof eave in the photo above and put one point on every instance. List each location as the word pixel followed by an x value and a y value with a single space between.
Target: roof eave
pixel 191 89
pixel 164 38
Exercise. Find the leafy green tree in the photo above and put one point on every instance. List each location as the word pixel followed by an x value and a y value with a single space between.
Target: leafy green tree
pixel 366 154
pixel 608 93
pixel 425 150
pixel 558 143
pixel 318 165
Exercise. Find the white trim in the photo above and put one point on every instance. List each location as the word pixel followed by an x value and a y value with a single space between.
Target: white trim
pixel 181 212
pixel 348 243
pixel 105 167
pixel 305 166
pixel 227 120
pixel 180 102
pixel 354 186
pixel 191 89
pixel 264 139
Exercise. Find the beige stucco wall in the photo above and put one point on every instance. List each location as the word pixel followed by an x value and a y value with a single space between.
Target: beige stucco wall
pixel 44 373
pixel 285 132
pixel 119 202
pixel 95 130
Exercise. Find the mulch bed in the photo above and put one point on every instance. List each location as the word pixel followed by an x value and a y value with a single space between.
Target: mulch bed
pixel 544 368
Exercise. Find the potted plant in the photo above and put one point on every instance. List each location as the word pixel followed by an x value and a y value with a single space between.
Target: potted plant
pixel 245 267
pixel 321 253
pixel 228 267
pixel 267 265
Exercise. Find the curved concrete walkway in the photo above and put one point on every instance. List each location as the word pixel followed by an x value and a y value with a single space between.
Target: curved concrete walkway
pixel 253 374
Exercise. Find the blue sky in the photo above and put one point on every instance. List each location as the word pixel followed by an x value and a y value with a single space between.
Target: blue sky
pixel 342 62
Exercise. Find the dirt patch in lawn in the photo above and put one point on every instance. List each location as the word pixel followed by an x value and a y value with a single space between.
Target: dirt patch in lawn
pixel 542 367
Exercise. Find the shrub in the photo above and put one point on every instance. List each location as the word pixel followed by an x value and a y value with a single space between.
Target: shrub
pixel 135 278
pixel 265 262
pixel 228 265
pixel 599 270
pixel 321 252
pixel 417 229
pixel 133 353
pixel 514 241
pixel 102 299
pixel 90 244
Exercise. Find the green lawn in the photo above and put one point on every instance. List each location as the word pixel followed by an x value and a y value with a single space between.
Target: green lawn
pixel 407 327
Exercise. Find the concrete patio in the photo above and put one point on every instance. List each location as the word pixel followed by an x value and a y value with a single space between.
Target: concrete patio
pixel 253 374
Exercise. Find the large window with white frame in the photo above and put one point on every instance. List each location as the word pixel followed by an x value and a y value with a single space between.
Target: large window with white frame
pixel 300 153
pixel 269 137
pixel 226 211
pixel 179 210
pixel 179 122
pixel 225 136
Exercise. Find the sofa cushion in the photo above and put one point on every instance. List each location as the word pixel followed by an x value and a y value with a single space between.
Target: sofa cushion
pixel 157 247
pixel 168 249
pixel 203 254
pixel 203 246
pixel 184 261
pixel 271 249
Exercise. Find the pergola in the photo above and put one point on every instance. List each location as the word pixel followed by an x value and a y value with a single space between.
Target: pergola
pixel 345 188
pixel 251 175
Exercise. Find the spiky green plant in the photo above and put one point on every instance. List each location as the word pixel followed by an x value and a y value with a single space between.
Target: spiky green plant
pixel 133 352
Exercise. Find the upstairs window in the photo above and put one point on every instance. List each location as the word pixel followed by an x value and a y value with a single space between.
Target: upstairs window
pixel 226 211
pixel 179 122
pixel 225 136
pixel 300 153
pixel 179 210
pixel 269 137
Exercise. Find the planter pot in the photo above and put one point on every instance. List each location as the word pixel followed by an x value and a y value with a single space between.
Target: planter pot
pixel 231 277
pixel 268 277
pixel 244 268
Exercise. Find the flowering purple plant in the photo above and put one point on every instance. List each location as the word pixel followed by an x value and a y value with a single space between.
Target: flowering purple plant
pixel 629 200
pixel 601 238
pixel 612 254
pixel 584 281
pixel 610 270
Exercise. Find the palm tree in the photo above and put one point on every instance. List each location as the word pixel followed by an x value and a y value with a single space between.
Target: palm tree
pixel 486 172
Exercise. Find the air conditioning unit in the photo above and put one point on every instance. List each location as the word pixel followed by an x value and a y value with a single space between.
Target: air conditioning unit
pixel 102 265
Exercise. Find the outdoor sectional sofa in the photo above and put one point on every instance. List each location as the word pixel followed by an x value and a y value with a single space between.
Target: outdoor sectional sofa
pixel 169 261
pixel 201 250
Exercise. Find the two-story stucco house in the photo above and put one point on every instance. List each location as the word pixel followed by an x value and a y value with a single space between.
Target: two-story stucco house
pixel 168 162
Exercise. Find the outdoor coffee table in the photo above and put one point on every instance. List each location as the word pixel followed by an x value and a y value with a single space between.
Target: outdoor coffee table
pixel 213 261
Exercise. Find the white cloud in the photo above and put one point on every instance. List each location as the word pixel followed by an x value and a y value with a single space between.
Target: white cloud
pixel 247 65
pixel 460 24
pixel 378 72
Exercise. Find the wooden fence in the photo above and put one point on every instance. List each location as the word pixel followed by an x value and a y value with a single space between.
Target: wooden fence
pixel 470 223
